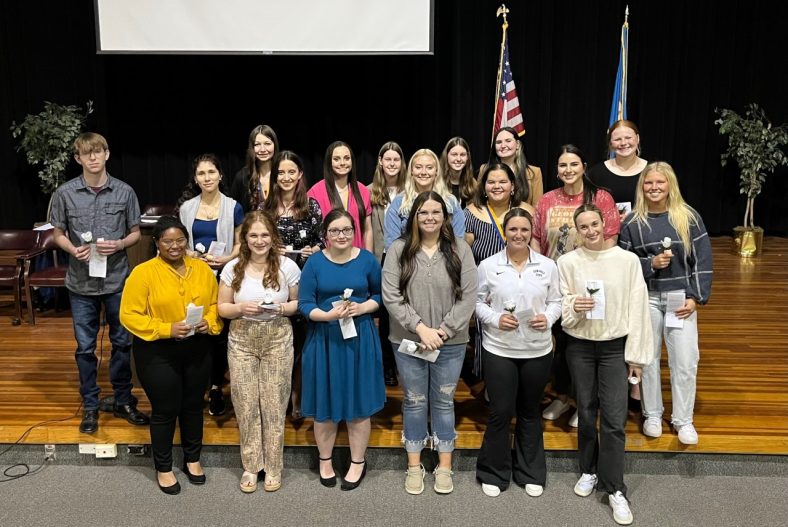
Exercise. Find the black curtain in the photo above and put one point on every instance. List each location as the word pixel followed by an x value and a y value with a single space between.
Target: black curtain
pixel 159 111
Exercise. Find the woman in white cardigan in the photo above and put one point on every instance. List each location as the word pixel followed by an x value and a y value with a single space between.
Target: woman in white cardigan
pixel 210 216
pixel 605 315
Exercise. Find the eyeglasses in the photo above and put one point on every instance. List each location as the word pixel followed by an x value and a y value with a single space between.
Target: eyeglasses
pixel 424 214
pixel 170 243
pixel 334 233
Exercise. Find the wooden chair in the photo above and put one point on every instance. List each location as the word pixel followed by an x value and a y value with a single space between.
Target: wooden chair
pixel 51 276
pixel 16 245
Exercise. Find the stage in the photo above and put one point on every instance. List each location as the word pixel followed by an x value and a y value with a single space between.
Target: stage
pixel 741 407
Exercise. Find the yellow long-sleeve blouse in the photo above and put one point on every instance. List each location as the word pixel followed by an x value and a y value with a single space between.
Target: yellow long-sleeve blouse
pixel 155 296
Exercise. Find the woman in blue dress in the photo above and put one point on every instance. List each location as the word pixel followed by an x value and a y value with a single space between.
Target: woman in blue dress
pixel 342 377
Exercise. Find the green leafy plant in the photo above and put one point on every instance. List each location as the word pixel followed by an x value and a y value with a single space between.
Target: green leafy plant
pixel 47 138
pixel 756 146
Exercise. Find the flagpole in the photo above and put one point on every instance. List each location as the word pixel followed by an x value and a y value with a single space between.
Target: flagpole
pixel 503 10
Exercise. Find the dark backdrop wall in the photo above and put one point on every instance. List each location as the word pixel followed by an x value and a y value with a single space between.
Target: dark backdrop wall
pixel 158 112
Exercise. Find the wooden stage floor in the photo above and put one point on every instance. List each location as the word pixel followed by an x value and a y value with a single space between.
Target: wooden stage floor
pixel 742 400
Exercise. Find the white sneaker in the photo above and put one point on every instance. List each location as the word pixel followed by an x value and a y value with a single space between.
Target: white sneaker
pixel 554 411
pixel 534 490
pixel 687 434
pixel 621 513
pixel 585 485
pixel 573 421
pixel 490 490
pixel 652 427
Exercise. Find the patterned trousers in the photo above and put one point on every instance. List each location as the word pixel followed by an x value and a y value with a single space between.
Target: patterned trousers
pixel 260 356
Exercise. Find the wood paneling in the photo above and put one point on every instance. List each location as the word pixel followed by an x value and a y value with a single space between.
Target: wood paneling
pixel 742 401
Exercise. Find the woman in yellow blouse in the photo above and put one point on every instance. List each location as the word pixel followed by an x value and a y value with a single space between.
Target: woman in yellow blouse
pixel 161 307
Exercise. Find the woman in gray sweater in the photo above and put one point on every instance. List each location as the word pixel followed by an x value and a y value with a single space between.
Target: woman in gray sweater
pixel 429 289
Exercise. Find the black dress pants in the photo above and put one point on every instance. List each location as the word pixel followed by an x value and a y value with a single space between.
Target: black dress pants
pixel 515 388
pixel 173 374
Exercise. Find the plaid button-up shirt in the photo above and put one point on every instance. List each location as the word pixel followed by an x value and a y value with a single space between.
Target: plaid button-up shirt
pixel 109 213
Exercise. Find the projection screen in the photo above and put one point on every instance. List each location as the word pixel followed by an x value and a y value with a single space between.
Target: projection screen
pixel 339 27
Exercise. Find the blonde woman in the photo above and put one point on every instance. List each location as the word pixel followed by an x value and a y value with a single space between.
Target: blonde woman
pixel 258 291
pixel 675 254
pixel 424 175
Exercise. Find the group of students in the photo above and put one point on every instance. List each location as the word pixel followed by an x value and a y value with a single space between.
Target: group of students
pixel 441 257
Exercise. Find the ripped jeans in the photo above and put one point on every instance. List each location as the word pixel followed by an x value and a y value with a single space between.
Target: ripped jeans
pixel 429 391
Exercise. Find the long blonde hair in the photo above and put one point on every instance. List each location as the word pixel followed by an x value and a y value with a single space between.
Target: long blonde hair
pixel 439 186
pixel 680 215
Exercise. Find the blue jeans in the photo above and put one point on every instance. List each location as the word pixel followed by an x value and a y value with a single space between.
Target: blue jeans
pixel 683 357
pixel 429 391
pixel 86 313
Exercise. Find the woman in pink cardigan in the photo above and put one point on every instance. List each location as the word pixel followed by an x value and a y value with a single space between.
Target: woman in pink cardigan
pixel 340 189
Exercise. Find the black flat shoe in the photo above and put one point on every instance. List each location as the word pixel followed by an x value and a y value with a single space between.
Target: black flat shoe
pixel 171 490
pixel 193 478
pixel 130 413
pixel 350 485
pixel 390 377
pixel 89 422
pixel 330 481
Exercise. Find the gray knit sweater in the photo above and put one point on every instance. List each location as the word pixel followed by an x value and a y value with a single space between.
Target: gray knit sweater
pixel 430 294
pixel 690 272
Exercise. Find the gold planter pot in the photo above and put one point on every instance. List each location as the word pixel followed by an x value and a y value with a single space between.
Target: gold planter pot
pixel 747 241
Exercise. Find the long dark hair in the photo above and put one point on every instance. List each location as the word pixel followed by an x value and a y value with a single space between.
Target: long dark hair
pixel 192 189
pixel 467 179
pixel 300 199
pixel 352 181
pixel 589 187
pixel 253 165
pixel 447 245
pixel 520 163
pixel 271 277
pixel 480 197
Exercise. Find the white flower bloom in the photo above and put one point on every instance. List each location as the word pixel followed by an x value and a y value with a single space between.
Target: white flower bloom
pixel 87 237
pixel 199 247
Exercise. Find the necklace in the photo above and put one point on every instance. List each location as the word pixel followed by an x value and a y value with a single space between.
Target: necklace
pixel 209 211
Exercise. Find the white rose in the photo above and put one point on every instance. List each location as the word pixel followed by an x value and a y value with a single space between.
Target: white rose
pixel 87 237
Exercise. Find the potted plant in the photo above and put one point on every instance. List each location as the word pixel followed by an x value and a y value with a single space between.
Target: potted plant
pixel 757 147
pixel 47 139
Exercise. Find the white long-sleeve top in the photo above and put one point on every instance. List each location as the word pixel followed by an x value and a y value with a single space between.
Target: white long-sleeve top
pixel 535 287
pixel 626 300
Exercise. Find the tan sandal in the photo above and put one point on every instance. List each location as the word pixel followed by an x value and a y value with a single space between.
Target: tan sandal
pixel 248 482
pixel 272 483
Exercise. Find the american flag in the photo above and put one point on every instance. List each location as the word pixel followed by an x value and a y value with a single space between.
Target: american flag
pixel 507 107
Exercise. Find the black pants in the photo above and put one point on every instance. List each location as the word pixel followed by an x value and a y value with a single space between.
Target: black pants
pixel 515 387
pixel 562 378
pixel 600 376
pixel 219 356
pixel 173 374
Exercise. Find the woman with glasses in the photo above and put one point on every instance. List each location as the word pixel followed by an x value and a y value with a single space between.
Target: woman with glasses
pixel 429 287
pixel 169 305
pixel 342 365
